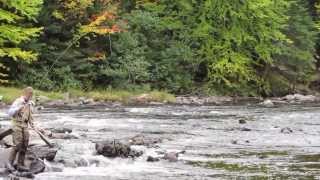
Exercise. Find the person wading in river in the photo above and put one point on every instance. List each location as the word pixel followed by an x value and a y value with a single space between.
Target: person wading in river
pixel 20 113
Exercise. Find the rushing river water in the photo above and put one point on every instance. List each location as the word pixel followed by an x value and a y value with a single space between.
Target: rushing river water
pixel 217 146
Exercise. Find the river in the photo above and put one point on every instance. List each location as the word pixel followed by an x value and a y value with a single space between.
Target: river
pixel 269 143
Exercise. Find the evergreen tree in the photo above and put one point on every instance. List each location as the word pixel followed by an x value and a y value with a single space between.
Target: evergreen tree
pixel 296 64
pixel 72 46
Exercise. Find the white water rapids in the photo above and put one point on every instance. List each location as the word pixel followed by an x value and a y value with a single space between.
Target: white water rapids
pixel 217 146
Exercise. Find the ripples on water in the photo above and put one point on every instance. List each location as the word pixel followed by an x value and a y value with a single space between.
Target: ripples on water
pixel 216 145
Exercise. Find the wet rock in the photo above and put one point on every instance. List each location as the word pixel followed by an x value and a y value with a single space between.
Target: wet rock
pixel 44 152
pixel 156 103
pixel 245 129
pixel 87 101
pixel 61 130
pixel 289 97
pixel 144 141
pixel 190 100
pixel 242 121
pixel 267 103
pixel 56 103
pixel 73 161
pixel 234 142
pixel 62 136
pixel 197 100
pixel 300 98
pixel 115 148
pixel 39 108
pixel 152 159
pixel 286 130
pixel 32 162
pixel 135 153
pixel 55 168
pixel 218 100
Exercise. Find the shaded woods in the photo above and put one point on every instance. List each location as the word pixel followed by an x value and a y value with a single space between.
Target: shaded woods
pixel 234 47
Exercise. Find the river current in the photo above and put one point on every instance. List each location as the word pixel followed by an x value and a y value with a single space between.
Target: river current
pixel 220 142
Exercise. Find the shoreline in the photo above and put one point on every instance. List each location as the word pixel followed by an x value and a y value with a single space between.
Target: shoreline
pixel 118 98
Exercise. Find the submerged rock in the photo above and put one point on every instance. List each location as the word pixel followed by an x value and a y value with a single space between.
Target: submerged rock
pixel 245 129
pixel 152 159
pixel 171 156
pixel 286 130
pixel 242 121
pixel 143 140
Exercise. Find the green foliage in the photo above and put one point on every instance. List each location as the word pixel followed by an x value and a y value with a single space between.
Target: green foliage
pixel 237 38
pixel 14 30
pixel 234 47
pixel 296 62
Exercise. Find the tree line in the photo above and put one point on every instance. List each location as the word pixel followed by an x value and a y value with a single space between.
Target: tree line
pixel 234 47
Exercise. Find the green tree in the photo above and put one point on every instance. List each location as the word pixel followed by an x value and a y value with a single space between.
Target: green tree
pixel 73 45
pixel 14 30
pixel 293 69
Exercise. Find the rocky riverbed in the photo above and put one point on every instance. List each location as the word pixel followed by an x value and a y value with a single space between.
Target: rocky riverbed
pixel 181 142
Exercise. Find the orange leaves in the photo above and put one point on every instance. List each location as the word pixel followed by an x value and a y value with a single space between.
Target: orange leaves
pixel 99 24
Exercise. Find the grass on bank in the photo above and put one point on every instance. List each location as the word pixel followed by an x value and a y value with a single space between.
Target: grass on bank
pixel 9 94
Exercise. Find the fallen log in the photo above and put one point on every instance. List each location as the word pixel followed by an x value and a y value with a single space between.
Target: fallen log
pixel 5 133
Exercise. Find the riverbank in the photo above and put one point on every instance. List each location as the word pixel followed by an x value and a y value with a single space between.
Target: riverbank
pixel 8 94
pixel 122 97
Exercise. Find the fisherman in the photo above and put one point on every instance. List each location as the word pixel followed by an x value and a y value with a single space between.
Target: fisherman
pixel 20 113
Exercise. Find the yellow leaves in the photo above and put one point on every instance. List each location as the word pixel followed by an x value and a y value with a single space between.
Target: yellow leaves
pixel 27 8
pixel 16 34
pixel 8 16
pixel 58 15
pixel 17 53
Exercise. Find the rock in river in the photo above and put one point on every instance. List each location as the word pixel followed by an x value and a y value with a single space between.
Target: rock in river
pixel 115 148
pixel 143 140
pixel 152 159
pixel 267 103
pixel 61 130
pixel 33 161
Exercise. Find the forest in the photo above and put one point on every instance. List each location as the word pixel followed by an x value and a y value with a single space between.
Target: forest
pixel 203 47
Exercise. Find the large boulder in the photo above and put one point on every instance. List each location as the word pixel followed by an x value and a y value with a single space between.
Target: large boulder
pixel 267 103
pixel 115 148
pixel 43 152
pixel 32 161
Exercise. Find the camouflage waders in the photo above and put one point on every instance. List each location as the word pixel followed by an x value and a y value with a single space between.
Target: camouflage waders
pixel 20 137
